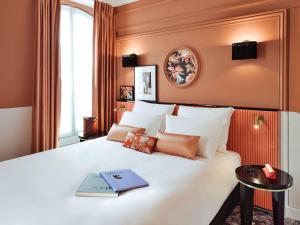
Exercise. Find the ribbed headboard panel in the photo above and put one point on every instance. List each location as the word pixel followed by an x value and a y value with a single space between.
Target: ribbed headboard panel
pixel 256 146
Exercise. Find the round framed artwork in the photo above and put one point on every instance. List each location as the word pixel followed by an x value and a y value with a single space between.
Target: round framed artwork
pixel 181 67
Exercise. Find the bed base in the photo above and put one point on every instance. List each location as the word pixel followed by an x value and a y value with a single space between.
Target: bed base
pixel 228 206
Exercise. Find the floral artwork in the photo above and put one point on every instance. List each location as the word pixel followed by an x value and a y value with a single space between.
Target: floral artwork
pixel 181 67
pixel 126 93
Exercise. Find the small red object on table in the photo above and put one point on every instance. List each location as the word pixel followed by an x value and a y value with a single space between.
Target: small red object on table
pixel 269 172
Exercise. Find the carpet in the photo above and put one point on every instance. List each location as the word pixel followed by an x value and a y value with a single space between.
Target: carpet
pixel 260 217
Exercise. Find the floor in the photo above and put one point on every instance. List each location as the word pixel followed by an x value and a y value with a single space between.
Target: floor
pixel 260 217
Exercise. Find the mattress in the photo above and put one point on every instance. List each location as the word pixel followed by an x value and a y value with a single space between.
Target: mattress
pixel 40 189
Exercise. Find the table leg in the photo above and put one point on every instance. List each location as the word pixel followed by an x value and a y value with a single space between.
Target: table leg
pixel 246 195
pixel 278 207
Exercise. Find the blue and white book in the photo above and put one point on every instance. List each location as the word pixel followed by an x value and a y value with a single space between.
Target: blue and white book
pixel 123 180
pixel 94 186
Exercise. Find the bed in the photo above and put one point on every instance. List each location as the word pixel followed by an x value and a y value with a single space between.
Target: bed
pixel 40 189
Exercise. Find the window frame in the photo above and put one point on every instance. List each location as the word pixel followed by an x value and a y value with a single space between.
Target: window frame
pixel 72 139
pixel 77 5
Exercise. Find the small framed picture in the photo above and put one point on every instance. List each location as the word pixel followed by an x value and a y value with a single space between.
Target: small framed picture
pixel 127 93
pixel 145 83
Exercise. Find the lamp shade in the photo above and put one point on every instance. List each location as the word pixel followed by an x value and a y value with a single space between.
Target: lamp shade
pixel 89 126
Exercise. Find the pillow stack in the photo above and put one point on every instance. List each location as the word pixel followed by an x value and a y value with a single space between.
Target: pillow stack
pixel 195 131
pixel 141 126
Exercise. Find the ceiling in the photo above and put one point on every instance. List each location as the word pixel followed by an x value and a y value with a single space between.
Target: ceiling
pixel 114 3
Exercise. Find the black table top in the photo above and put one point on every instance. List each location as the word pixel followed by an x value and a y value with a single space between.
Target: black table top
pixel 253 176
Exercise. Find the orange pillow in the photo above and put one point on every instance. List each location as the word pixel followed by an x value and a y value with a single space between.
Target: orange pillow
pixel 177 144
pixel 140 142
pixel 119 132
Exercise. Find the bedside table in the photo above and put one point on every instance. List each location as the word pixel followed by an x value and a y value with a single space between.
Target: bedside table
pixel 83 138
pixel 252 177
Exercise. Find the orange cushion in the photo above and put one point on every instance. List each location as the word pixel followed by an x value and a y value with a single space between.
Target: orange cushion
pixel 140 142
pixel 119 132
pixel 177 144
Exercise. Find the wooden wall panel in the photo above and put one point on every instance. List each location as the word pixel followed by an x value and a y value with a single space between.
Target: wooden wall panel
pixel 221 80
pixel 138 17
pixel 256 146
pixel 17 41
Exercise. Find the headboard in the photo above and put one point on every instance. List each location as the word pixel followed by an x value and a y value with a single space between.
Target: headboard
pixel 256 146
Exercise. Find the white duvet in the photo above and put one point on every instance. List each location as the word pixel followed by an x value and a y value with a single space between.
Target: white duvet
pixel 40 189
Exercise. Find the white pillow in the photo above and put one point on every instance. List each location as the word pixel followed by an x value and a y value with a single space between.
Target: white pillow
pixel 208 130
pixel 211 114
pixel 152 108
pixel 152 123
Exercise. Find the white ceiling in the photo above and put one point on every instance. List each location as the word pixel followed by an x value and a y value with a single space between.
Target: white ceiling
pixel 114 3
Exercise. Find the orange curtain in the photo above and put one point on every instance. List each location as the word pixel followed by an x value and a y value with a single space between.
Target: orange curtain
pixel 46 82
pixel 104 66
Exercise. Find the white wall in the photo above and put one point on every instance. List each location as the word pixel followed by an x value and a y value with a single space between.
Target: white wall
pixel 290 132
pixel 294 164
pixel 15 132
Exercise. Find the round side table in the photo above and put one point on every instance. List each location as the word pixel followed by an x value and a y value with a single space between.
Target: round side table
pixel 252 177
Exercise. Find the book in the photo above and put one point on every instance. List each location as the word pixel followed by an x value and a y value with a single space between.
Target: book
pixel 94 186
pixel 123 180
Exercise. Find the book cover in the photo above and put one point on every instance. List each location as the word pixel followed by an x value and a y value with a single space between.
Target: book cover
pixel 123 180
pixel 94 186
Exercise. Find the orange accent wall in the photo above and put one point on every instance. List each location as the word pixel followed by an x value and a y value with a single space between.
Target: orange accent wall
pixel 17 24
pixel 16 52
pixel 250 83
pixel 256 146
pixel 155 16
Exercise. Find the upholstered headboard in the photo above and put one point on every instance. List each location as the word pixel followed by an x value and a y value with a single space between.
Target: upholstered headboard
pixel 256 146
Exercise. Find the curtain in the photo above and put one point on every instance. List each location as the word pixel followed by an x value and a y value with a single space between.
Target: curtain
pixel 46 81
pixel 104 65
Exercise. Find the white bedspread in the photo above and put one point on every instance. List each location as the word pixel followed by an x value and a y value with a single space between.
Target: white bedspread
pixel 40 189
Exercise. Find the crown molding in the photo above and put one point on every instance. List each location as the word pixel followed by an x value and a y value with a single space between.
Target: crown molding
pixel 200 15
pixel 201 25
pixel 141 4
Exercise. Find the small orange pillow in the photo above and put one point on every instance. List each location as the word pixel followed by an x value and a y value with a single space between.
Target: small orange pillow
pixel 177 144
pixel 119 132
pixel 140 142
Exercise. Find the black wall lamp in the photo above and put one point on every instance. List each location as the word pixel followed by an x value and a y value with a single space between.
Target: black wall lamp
pixel 129 60
pixel 244 50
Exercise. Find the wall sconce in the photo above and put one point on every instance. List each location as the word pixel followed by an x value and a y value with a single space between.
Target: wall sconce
pixel 121 107
pixel 244 50
pixel 259 121
pixel 129 60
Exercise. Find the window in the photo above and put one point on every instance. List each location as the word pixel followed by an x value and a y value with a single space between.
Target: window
pixel 76 42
